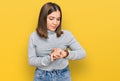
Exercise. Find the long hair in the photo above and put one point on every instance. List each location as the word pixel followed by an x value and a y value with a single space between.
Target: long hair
pixel 47 9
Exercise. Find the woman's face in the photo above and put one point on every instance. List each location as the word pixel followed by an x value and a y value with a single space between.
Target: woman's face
pixel 53 20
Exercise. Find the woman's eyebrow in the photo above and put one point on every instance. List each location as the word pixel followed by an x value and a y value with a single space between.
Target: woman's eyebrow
pixel 54 17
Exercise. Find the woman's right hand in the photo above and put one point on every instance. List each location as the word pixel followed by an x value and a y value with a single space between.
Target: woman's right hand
pixel 55 54
pixel 58 53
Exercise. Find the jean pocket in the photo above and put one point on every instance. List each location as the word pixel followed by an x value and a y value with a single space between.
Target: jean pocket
pixel 65 73
pixel 39 73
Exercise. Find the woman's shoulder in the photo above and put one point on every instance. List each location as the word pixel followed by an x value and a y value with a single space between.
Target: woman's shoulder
pixel 67 32
pixel 33 34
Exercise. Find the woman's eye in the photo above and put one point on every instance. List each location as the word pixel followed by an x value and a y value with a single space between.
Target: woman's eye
pixel 51 18
pixel 58 19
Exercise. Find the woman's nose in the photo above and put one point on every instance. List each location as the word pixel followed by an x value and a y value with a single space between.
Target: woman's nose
pixel 55 22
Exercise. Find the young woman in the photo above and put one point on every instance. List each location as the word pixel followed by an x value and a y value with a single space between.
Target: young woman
pixel 48 45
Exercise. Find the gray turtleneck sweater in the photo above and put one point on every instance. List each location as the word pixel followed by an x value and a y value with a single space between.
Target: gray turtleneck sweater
pixel 40 48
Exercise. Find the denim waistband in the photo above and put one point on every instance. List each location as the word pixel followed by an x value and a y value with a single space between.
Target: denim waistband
pixel 55 70
pixel 54 75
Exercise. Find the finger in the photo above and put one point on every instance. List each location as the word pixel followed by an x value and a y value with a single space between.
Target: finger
pixel 51 57
pixel 64 54
pixel 57 56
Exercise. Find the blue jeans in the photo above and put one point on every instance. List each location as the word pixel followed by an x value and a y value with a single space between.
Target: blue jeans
pixel 54 75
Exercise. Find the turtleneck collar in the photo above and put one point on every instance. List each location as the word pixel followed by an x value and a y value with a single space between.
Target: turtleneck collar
pixel 51 32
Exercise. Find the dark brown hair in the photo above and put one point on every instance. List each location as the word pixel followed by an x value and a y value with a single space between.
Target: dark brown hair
pixel 47 9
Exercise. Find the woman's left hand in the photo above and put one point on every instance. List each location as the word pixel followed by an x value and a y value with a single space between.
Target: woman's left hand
pixel 58 53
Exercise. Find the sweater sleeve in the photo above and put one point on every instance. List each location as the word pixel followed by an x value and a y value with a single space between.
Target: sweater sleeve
pixel 32 58
pixel 76 51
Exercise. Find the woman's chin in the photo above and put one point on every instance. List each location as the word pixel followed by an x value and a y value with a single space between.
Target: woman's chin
pixel 52 29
